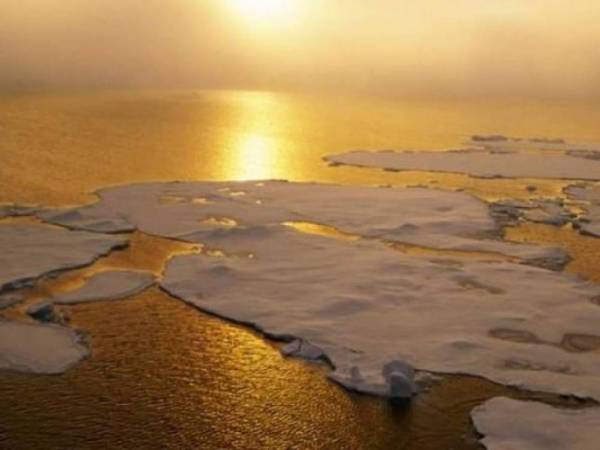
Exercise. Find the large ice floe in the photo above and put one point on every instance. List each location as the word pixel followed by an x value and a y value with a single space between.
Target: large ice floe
pixel 109 285
pixel 230 215
pixel 365 307
pixel 520 425
pixel 371 311
pixel 30 251
pixel 488 157
pixel 36 348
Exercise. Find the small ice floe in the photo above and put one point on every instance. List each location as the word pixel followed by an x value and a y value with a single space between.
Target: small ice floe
pixel 28 252
pixel 109 285
pixel 556 212
pixel 508 424
pixel 551 212
pixel 548 212
pixel 590 222
pixel 495 156
pixel 39 348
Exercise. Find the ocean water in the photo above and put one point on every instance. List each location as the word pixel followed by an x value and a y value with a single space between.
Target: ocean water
pixel 164 375
pixel 54 148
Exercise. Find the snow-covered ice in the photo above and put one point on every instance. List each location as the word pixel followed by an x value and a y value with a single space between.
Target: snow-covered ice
pixel 365 306
pixel 208 212
pixel 39 348
pixel 491 158
pixel 109 285
pixel 30 251
pixel 521 425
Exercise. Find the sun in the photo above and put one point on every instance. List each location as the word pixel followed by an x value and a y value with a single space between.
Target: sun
pixel 264 11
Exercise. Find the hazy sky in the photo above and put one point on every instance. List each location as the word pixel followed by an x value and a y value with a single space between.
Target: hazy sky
pixel 538 47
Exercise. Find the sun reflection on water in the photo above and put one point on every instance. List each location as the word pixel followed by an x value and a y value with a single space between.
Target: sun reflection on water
pixel 255 150
pixel 253 157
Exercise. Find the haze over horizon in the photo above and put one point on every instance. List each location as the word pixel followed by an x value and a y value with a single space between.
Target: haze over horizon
pixel 544 48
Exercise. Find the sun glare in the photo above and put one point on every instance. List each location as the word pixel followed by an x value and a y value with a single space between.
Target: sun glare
pixel 264 10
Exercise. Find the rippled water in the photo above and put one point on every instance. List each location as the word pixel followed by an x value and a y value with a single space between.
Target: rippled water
pixel 163 375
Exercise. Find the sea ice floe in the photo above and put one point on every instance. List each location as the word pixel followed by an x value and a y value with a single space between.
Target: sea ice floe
pixel 521 425
pixel 492 157
pixel 109 285
pixel 425 217
pixel 358 304
pixel 364 306
pixel 591 195
pixel 30 251
pixel 551 212
pixel 39 348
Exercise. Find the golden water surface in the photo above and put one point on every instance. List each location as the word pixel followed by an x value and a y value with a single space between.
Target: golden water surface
pixel 54 148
